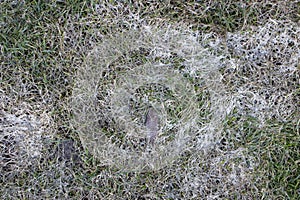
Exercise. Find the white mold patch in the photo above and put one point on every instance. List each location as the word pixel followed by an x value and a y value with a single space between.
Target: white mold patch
pixel 22 129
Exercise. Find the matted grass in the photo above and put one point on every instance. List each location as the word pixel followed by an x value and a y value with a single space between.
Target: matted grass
pixel 256 152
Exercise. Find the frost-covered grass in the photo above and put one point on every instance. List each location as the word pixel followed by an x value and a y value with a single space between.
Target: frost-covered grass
pixel 78 77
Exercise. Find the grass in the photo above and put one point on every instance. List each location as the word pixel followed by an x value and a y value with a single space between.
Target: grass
pixel 255 153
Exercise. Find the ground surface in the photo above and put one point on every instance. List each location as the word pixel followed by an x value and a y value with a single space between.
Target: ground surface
pixel 78 76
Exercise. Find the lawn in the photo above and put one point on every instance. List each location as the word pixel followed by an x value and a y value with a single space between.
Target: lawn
pixel 78 80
